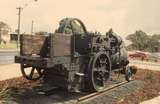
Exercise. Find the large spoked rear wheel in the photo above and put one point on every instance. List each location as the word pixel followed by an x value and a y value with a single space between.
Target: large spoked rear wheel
pixel 99 71
pixel 31 73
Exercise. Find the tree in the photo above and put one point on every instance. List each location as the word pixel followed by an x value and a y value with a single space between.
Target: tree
pixel 141 41
pixel 4 30
pixel 156 36
pixel 154 43
pixel 4 25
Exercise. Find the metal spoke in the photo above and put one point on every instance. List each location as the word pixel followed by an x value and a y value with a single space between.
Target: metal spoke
pixel 102 80
pixel 32 72
pixel 39 71
pixel 95 69
pixel 32 75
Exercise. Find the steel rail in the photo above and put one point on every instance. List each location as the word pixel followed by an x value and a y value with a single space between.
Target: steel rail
pixel 97 94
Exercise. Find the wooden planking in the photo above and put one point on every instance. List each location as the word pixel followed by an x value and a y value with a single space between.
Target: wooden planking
pixel 32 44
pixel 36 44
pixel 61 44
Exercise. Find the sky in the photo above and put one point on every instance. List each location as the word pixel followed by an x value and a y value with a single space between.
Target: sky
pixel 124 16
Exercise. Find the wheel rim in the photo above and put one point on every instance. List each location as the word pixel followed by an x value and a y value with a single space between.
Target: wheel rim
pixel 129 74
pixel 100 71
pixel 31 73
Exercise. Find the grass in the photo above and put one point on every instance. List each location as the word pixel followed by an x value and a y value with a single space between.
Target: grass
pixel 150 76
pixel 11 45
pixel 4 93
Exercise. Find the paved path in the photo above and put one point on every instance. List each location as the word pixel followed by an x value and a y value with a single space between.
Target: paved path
pixel 13 70
pixel 146 65
pixel 152 101
pixel 9 71
pixel 7 56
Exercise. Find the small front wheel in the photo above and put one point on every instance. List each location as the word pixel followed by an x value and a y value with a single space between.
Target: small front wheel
pixel 128 74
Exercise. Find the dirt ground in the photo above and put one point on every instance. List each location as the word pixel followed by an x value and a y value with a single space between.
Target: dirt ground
pixel 151 89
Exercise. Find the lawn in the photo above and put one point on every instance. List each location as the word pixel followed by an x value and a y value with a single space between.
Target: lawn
pixel 11 45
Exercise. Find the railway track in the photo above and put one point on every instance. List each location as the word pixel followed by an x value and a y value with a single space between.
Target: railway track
pixel 53 95
pixel 7 56
pixel 84 97
pixel 93 95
